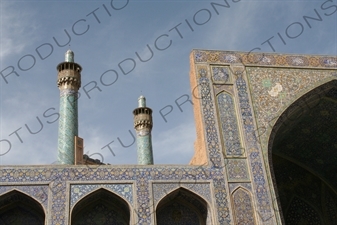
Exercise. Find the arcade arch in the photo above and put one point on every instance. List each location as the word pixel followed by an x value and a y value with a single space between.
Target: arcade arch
pixel 18 208
pixel 101 207
pixel 183 207
pixel 303 158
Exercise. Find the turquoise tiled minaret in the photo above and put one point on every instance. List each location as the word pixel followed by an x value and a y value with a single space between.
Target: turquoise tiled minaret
pixel 68 81
pixel 143 126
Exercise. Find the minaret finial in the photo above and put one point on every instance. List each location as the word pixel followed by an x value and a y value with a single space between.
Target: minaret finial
pixel 69 56
pixel 141 101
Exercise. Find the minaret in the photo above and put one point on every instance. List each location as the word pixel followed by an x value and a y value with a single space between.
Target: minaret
pixel 143 126
pixel 68 81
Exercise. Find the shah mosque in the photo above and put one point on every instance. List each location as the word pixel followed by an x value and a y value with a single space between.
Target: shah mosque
pixel 265 153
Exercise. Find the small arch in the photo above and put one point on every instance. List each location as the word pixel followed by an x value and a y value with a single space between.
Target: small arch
pixel 243 206
pixel 182 206
pixel 19 208
pixel 101 207
pixel 240 187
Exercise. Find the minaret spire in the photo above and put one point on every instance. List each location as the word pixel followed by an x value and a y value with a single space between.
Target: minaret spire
pixel 143 126
pixel 69 56
pixel 68 81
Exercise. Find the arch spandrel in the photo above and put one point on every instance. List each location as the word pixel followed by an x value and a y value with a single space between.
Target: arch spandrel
pixel 273 90
pixel 38 193
pixel 302 155
pixel 314 101
pixel 162 190
pixel 80 191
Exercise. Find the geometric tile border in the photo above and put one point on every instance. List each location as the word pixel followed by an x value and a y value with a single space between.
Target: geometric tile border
pixel 264 59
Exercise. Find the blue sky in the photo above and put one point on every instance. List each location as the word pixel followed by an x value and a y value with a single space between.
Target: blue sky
pixel 116 31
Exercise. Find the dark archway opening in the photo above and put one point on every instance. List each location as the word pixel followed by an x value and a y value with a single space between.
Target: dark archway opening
pixel 303 158
pixel 101 208
pixel 18 208
pixel 182 207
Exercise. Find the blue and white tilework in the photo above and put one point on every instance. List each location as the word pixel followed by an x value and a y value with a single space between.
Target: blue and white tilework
pixel 160 190
pixel 77 191
pixel 38 192
pixel 229 125
pixel 220 75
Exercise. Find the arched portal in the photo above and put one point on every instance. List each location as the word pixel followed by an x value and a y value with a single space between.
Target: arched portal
pixel 182 207
pixel 101 208
pixel 19 208
pixel 303 158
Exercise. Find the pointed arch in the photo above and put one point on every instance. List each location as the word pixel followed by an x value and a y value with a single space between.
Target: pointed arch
pixel 306 102
pixel 19 208
pixel 101 207
pixel 189 189
pixel 96 189
pixel 243 206
pixel 302 151
pixel 182 206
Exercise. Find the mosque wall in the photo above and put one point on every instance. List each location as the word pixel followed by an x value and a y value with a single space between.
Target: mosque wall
pixel 238 97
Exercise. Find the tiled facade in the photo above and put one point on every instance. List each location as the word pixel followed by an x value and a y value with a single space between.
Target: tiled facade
pixel 241 96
